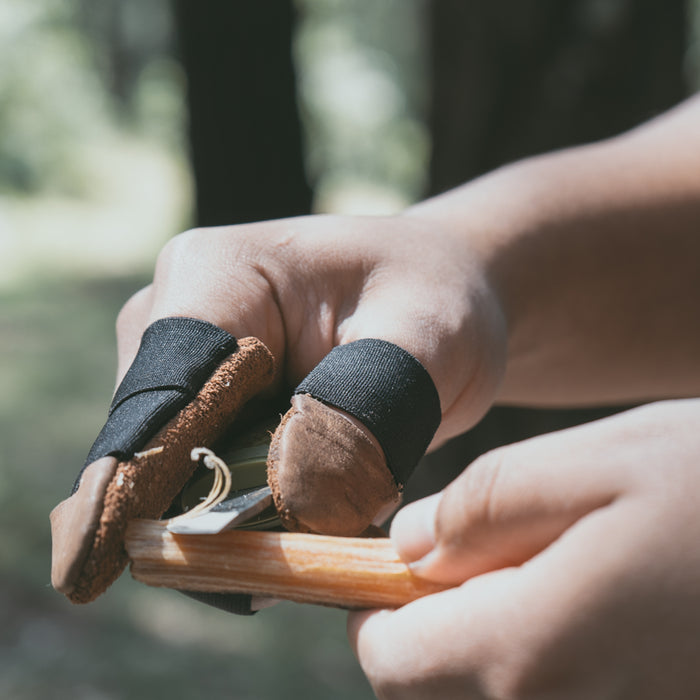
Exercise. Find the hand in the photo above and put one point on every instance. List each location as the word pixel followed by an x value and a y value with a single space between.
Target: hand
pixel 425 321
pixel 579 556
pixel 306 285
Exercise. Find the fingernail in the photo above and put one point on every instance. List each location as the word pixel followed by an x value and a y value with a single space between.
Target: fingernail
pixel 423 566
pixel 413 529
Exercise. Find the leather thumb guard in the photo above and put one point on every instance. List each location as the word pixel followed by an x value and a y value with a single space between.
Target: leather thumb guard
pixel 358 425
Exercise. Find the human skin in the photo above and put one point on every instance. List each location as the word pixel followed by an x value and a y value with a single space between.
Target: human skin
pixel 564 280
pixel 594 255
pixel 567 279
pixel 579 552
pixel 307 284
pixel 572 554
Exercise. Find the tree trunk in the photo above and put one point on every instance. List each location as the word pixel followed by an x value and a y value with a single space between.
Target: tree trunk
pixel 511 78
pixel 244 127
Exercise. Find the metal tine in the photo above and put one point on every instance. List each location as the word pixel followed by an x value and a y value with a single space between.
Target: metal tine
pixel 230 513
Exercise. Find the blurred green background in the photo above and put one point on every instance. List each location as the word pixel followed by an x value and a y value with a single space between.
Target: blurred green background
pixel 94 177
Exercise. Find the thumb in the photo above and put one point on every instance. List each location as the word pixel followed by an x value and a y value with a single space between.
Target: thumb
pixel 358 425
pixel 504 508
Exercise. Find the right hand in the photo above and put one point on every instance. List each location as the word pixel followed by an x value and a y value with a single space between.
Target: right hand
pixel 575 564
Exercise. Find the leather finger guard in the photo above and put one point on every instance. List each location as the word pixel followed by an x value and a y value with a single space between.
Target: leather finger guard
pixel 359 424
pixel 185 387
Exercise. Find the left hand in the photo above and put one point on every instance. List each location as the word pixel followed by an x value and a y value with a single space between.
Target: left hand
pixel 579 552
pixel 305 286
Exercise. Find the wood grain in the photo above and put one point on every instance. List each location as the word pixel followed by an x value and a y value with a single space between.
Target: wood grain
pixel 345 572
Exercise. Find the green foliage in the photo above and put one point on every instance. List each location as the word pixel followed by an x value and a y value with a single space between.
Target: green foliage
pixel 361 82
pixel 58 88
pixel 47 96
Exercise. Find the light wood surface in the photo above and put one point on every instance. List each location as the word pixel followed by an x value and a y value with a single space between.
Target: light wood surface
pixel 345 572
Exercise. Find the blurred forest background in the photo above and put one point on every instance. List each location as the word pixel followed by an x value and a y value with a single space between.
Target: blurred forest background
pixel 123 122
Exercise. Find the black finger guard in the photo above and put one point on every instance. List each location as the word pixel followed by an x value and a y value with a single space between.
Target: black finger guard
pixel 387 390
pixel 176 357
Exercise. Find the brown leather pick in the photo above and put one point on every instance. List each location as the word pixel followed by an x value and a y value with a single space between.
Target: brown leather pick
pixel 327 473
pixel 88 528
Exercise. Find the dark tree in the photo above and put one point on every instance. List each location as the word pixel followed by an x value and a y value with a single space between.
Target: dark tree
pixel 244 127
pixel 511 78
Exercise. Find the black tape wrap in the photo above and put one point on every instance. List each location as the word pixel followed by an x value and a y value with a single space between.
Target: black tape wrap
pixel 388 391
pixel 176 357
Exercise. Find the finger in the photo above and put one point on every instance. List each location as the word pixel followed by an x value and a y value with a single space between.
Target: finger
pixel 445 645
pixel 425 320
pixel 514 501
pixel 358 425
pixel 184 388
pixel 131 324
pixel 219 275
pixel 413 528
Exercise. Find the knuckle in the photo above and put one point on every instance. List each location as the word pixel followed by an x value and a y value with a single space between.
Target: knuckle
pixel 213 248
pixel 476 490
pixel 390 681
pixel 180 249
pixel 135 308
pixel 387 672
pixel 517 681
pixel 486 476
